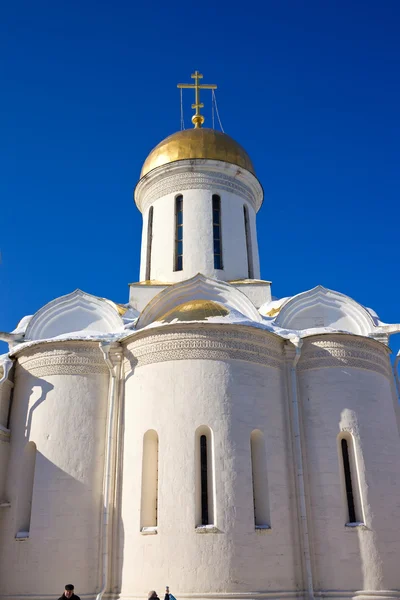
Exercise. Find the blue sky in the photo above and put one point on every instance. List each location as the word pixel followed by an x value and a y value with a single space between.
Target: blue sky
pixel 310 89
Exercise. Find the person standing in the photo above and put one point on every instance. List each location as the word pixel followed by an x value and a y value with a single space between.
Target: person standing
pixel 69 593
pixel 168 595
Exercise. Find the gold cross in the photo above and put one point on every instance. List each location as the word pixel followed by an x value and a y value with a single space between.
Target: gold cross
pixel 197 118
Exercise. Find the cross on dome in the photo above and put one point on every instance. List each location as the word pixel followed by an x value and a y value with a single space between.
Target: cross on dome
pixel 197 118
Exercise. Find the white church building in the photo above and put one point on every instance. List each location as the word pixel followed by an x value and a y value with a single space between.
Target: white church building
pixel 204 435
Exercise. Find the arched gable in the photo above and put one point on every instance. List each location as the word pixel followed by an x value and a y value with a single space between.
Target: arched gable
pixel 197 288
pixel 75 312
pixel 321 307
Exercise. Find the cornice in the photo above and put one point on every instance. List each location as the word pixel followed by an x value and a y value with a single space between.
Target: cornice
pixel 61 358
pixel 345 350
pixel 198 174
pixel 212 342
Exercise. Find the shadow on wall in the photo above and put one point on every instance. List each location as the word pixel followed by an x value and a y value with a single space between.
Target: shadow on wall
pixel 61 543
pixel 57 530
pixel 38 395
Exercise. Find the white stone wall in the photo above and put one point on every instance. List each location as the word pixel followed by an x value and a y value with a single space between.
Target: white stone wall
pixel 232 382
pixel 5 395
pixel 59 403
pixel 197 181
pixel 345 386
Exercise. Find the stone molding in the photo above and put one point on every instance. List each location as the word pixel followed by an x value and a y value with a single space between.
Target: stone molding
pixel 197 174
pixel 273 595
pixel 62 359
pixel 189 342
pixel 345 351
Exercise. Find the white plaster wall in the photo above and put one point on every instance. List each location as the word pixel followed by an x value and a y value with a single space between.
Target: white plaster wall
pixel 140 295
pixel 5 394
pixel 360 401
pixel 4 451
pixel 257 293
pixel 64 414
pixel 198 253
pixel 231 397
pixel 254 241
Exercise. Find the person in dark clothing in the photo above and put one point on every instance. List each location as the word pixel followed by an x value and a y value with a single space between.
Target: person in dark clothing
pixel 154 596
pixel 69 593
pixel 168 595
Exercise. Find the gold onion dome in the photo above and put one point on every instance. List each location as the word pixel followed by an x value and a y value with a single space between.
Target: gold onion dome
pixel 197 143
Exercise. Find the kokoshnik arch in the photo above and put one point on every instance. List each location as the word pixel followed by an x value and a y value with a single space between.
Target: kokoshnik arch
pixel 203 435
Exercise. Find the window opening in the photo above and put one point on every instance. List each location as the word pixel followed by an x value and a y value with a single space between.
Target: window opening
pixel 348 482
pixel 149 243
pixel 179 233
pixel 149 500
pixel 217 240
pixel 204 480
pixel 26 490
pixel 260 481
pixel 250 269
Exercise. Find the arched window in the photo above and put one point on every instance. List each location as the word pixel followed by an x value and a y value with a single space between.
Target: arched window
pixel 205 514
pixel 149 500
pixel 25 492
pixel 350 480
pixel 149 243
pixel 178 233
pixel 260 481
pixel 217 238
pixel 250 269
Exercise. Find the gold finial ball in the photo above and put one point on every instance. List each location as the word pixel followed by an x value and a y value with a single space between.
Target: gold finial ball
pixel 197 120
pixel 199 142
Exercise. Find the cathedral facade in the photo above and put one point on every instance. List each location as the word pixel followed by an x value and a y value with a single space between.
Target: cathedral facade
pixel 204 435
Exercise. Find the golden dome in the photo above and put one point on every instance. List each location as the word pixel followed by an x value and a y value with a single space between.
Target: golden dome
pixel 197 143
pixel 195 310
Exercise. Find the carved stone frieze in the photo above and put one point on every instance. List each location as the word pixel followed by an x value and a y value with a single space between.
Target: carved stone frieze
pixel 198 174
pixel 345 351
pixel 62 359
pixel 204 343
pixel 194 180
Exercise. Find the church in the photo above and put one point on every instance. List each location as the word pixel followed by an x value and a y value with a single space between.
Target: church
pixel 204 435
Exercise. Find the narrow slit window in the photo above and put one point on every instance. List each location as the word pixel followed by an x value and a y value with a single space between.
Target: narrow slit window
pixel 204 477
pixel 250 269
pixel 179 233
pixel 348 480
pixel 260 481
pixel 149 243
pixel 25 496
pixel 217 239
pixel 149 500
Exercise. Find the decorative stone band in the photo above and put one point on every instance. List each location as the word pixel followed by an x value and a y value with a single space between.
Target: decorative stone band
pixel 61 358
pixel 208 341
pixel 197 174
pixel 273 595
pixel 345 351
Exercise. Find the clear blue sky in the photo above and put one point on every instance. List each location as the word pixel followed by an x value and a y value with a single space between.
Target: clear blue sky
pixel 310 89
